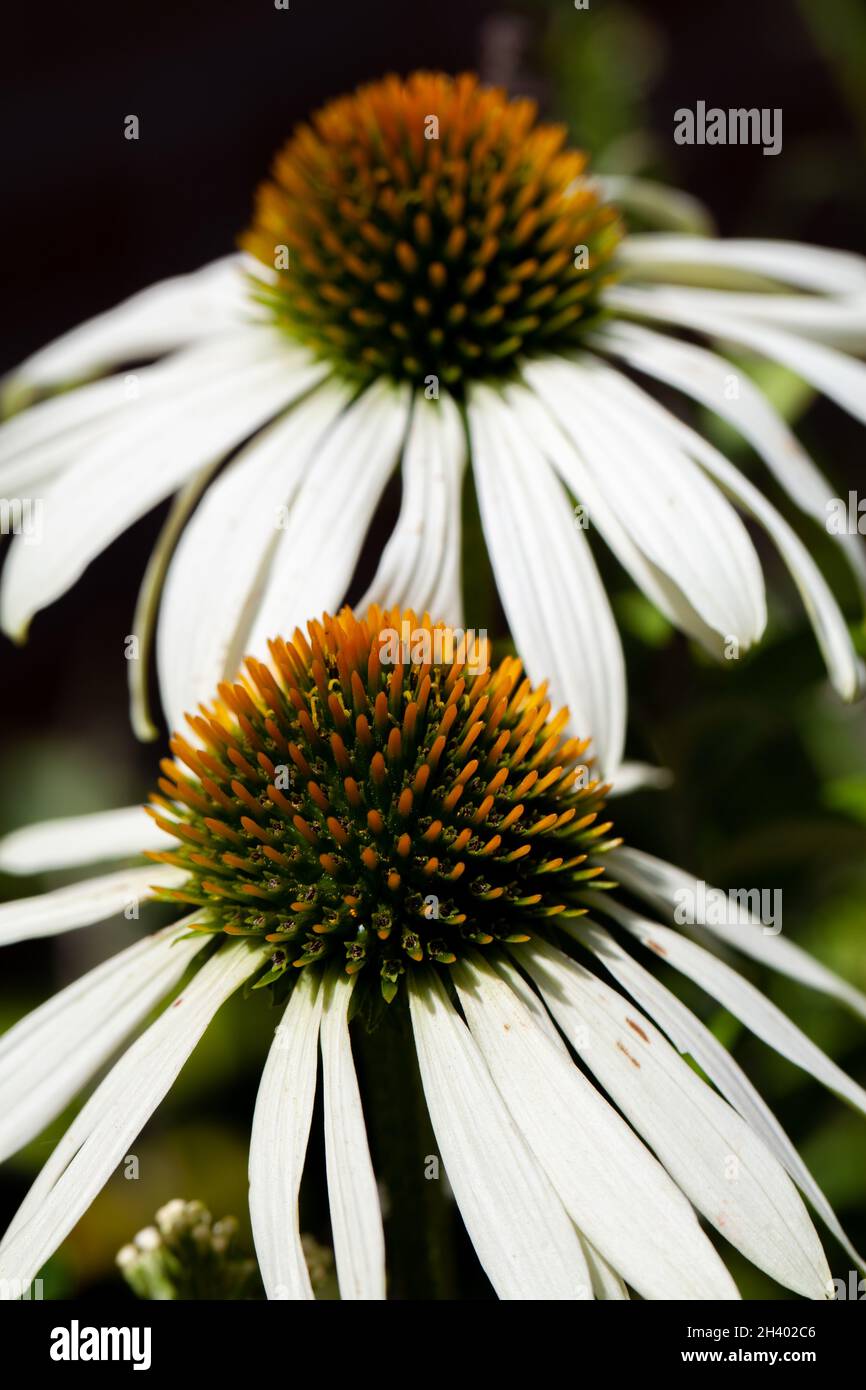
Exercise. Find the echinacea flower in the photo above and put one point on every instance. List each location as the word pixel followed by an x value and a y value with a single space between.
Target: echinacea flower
pixel 432 275
pixel 418 846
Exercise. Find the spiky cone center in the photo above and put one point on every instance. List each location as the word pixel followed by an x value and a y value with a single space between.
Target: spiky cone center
pixel 379 797
pixel 432 227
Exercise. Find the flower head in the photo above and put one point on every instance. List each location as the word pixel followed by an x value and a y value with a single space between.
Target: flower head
pixel 435 277
pixel 573 1182
pixel 432 226
pixel 381 816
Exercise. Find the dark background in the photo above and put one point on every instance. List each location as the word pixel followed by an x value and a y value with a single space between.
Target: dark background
pixel 770 770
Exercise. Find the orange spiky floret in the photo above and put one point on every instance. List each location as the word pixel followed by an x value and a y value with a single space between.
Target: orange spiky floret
pixel 389 844
pixel 432 226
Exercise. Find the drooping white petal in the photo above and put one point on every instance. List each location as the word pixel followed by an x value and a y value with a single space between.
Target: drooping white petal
pixel 103 1130
pixel 707 378
pixel 681 522
pixel 615 1191
pixel 278 1143
pixel 316 554
pixel 831 629
pixel 715 1158
pixel 666 887
pixel 743 999
pixel 606 1283
pixel 38 444
pixel 555 603
pixel 155 320
pixel 838 376
pixel 657 203
pixel 220 566
pixel 82 904
pixel 89 839
pixel 522 1236
pixel 583 481
pixel 53 1051
pixel 690 1036
pixel 662 255
pixel 420 565
pixel 161 443
pixel 353 1197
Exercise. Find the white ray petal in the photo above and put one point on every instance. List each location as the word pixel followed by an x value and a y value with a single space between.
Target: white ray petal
pixel 115 1114
pixel 657 203
pixel 353 1197
pixel 89 839
pixel 615 1191
pixel 161 444
pixel 680 520
pixel 555 603
pixel 831 630
pixel 420 565
pixel 606 1283
pixel 689 1035
pixel 525 1241
pixel 155 320
pixel 664 885
pixel 743 999
pixel 582 481
pixel 48 1056
pixel 317 552
pixel 82 904
pixel 220 566
pixel 838 376
pixel 792 262
pixel 706 377
pixel 712 1154
pixel 278 1144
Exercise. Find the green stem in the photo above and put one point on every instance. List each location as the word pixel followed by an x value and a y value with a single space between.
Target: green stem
pixel 419 1226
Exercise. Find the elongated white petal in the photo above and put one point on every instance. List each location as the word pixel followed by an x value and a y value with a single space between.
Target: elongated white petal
pixel 680 520
pixel 606 1283
pixel 278 1144
pixel 51 1053
pixel 715 1158
pixel 72 840
pixel 838 376
pixel 38 444
pixel 161 444
pixel 556 606
pixel 706 377
pixel 792 262
pixel 162 317
pixel 584 481
pixel 617 1194
pixel 839 323
pixel 526 1243
pixel 103 1130
pixel 221 563
pixel 744 1000
pixel 666 886
pixel 831 630
pixel 82 904
pixel 658 204
pixel 689 1035
pixel 147 603
pixel 353 1198
pixel 317 552
pixel 420 565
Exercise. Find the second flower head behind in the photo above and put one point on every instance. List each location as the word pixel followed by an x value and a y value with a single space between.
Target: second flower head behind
pixel 411 843
pixel 432 276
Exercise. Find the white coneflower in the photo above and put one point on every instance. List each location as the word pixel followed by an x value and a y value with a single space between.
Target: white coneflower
pixel 419 844
pixel 432 276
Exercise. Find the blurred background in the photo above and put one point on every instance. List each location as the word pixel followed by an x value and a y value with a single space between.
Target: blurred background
pixel 769 768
